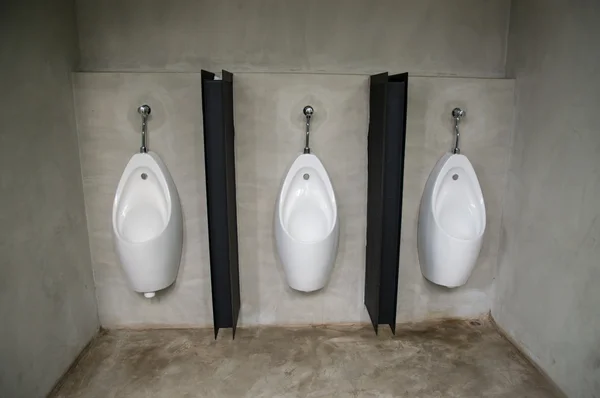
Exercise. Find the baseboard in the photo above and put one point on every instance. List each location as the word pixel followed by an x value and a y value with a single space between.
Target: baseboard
pixel 527 357
pixel 156 326
pixel 483 318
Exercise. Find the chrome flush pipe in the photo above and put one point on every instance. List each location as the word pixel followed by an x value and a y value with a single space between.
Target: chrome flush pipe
pixel 144 110
pixel 308 112
pixel 457 114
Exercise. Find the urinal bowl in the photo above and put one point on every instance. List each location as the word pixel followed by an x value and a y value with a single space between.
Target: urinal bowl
pixel 452 221
pixel 445 260
pixel 307 225
pixel 307 265
pixel 151 265
pixel 148 224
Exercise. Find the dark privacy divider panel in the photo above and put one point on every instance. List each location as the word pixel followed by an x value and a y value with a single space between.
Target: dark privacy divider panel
pixel 386 147
pixel 219 135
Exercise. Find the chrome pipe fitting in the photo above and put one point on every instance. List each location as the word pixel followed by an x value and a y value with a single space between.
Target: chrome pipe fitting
pixel 144 111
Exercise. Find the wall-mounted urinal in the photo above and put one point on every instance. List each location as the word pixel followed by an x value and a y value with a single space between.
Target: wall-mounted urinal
pixel 452 218
pixel 306 221
pixel 147 221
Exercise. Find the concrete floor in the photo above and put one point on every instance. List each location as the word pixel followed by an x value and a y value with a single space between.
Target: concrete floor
pixel 444 359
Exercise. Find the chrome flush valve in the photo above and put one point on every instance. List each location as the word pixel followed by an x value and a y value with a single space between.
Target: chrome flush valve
pixel 457 114
pixel 308 112
pixel 144 110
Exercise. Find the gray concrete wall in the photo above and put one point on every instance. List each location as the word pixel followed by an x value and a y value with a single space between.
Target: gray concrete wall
pixel 269 136
pixel 47 304
pixel 485 139
pixel 424 37
pixel 547 296
pixel 109 134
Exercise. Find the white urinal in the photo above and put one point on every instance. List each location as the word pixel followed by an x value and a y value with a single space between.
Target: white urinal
pixel 147 223
pixel 452 221
pixel 306 223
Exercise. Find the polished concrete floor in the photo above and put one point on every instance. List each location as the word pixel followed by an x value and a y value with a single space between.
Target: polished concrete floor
pixel 443 359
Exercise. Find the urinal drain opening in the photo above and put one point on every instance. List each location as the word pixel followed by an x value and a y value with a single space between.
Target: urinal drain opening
pixel 306 176
pixel 144 176
pixel 455 177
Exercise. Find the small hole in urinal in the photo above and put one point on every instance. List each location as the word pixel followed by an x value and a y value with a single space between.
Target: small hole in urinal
pixel 144 176
pixel 306 176
pixel 455 177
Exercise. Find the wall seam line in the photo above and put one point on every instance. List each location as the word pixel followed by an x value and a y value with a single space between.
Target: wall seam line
pixel 85 204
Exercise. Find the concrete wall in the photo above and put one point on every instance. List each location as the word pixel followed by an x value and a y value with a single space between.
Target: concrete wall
pixel 269 135
pixel 426 37
pixel 547 295
pixel 47 304
pixel 485 139
pixel 109 134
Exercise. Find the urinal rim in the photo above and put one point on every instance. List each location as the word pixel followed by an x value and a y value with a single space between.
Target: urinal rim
pixel 446 159
pixel 164 183
pixel 320 169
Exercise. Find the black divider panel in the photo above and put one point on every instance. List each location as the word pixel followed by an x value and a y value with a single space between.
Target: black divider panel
pixel 386 148
pixel 219 157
